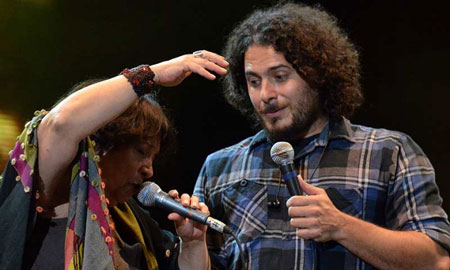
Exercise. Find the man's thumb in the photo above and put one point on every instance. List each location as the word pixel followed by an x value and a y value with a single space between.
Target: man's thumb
pixel 308 188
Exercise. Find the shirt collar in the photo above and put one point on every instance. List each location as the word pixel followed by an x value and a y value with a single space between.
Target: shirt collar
pixel 339 128
pixel 259 138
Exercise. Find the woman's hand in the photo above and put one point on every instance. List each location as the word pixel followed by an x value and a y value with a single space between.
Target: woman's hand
pixel 174 71
pixel 187 229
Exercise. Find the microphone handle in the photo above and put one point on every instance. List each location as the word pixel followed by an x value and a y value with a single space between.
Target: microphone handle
pixel 169 204
pixel 290 177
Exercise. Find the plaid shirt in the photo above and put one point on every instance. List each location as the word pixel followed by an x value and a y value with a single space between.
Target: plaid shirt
pixel 377 175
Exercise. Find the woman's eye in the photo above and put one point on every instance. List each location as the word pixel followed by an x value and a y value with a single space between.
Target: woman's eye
pixel 141 151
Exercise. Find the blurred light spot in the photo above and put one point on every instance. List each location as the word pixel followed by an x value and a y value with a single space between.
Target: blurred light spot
pixel 9 130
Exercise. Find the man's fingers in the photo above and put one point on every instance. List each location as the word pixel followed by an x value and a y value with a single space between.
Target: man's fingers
pixel 308 234
pixel 308 188
pixel 305 223
pixel 304 211
pixel 302 201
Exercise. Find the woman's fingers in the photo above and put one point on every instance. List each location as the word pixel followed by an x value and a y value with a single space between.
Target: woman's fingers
pixel 204 67
pixel 204 63
pixel 195 202
pixel 186 200
pixel 213 57
pixel 204 208
pixel 200 70
pixel 191 202
pixel 174 193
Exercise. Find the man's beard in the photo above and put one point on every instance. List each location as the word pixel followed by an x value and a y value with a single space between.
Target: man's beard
pixel 303 118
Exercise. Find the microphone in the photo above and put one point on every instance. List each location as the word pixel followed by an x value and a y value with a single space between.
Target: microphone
pixel 151 194
pixel 282 154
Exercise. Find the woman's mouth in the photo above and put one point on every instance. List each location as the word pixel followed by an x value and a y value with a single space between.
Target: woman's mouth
pixel 132 189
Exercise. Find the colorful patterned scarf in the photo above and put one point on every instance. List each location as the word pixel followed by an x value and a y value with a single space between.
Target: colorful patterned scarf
pixel 89 241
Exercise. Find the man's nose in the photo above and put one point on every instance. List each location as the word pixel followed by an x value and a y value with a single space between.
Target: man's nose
pixel 268 91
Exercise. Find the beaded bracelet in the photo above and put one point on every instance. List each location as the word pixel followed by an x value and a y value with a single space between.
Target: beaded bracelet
pixel 141 78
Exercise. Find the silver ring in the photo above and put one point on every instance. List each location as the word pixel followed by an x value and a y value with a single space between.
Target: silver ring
pixel 198 53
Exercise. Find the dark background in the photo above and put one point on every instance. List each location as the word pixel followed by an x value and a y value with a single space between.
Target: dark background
pixel 47 46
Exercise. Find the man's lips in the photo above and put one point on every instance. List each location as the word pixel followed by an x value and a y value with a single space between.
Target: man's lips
pixel 273 112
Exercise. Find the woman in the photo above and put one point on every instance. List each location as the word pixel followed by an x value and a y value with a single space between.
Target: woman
pixel 79 165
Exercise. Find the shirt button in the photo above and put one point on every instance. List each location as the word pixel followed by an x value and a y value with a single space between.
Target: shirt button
pixel 243 183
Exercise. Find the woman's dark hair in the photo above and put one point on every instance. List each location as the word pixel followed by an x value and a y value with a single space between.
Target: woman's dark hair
pixel 143 121
pixel 311 42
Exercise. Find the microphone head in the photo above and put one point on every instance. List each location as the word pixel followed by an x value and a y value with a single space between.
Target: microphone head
pixel 282 153
pixel 148 193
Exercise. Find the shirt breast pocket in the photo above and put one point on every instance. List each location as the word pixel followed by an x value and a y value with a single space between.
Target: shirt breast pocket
pixel 347 200
pixel 332 255
pixel 245 205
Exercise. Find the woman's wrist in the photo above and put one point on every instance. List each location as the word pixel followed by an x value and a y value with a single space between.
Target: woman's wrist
pixel 194 249
pixel 141 78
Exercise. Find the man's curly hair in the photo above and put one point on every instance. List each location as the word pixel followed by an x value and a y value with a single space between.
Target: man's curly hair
pixel 311 41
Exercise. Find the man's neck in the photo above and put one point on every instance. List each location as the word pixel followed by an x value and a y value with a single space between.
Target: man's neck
pixel 315 128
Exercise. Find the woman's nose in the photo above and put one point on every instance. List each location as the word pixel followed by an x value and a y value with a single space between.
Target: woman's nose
pixel 147 169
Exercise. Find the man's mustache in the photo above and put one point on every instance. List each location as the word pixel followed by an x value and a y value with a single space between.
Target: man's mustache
pixel 269 108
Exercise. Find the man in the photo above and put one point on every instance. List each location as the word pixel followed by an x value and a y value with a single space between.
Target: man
pixel 370 200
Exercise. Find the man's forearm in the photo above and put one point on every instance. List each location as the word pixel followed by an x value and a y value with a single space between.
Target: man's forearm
pixel 387 249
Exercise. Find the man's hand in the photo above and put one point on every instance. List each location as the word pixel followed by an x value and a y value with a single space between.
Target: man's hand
pixel 315 216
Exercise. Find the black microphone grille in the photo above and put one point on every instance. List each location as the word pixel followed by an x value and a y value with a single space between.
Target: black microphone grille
pixel 282 153
pixel 147 194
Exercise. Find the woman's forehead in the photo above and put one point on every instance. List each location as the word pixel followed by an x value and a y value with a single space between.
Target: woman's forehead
pixel 153 143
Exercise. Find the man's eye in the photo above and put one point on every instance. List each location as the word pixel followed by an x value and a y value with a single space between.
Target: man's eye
pixel 253 82
pixel 281 77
